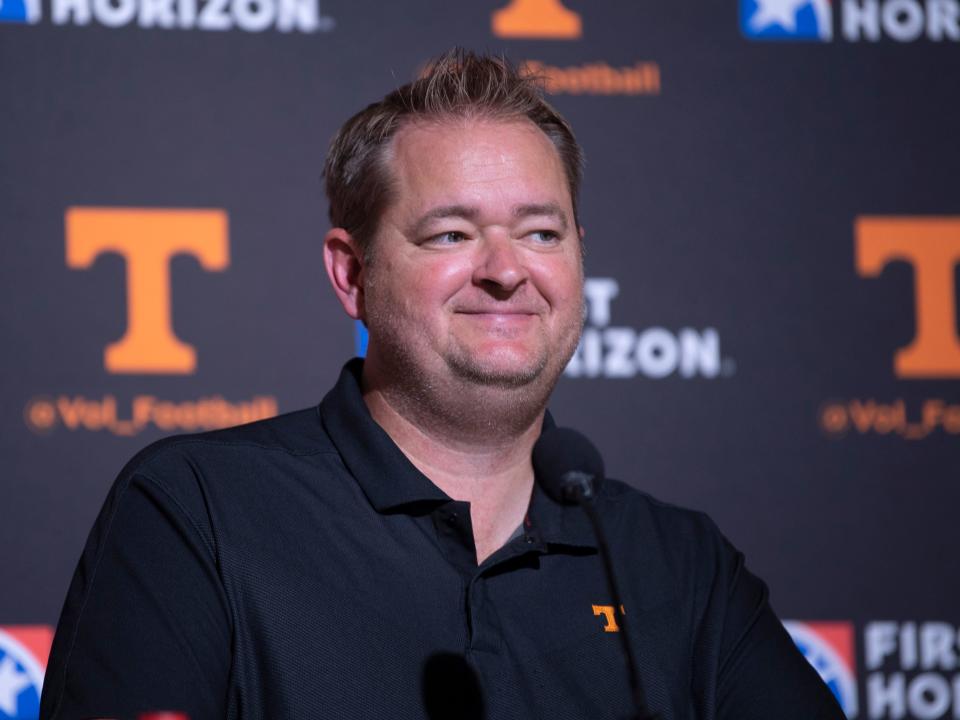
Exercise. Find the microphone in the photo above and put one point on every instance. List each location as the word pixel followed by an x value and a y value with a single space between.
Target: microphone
pixel 451 688
pixel 569 469
pixel 568 466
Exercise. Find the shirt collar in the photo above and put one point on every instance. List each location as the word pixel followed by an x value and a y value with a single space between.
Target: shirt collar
pixel 386 476
pixel 390 481
pixel 551 523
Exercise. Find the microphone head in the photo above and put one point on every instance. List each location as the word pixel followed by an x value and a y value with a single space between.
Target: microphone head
pixel 451 688
pixel 567 465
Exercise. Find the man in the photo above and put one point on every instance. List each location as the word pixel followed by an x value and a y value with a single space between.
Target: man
pixel 388 554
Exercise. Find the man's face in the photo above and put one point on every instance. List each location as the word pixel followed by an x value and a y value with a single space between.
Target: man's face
pixel 475 269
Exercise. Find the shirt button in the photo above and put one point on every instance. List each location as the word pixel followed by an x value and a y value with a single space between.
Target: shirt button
pixel 452 518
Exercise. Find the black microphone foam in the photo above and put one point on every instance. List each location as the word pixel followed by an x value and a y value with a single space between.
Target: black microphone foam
pixel 567 465
pixel 451 688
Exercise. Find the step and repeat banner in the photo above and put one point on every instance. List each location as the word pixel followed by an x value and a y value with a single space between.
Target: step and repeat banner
pixel 772 213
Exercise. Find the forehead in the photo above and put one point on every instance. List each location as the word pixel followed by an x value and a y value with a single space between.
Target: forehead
pixel 481 160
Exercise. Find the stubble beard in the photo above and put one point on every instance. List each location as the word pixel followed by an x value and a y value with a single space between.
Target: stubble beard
pixel 473 395
pixel 466 366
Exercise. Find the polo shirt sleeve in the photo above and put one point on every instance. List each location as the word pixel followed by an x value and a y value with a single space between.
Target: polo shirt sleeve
pixel 145 625
pixel 762 675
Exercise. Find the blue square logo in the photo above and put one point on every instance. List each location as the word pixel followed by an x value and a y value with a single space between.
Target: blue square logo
pixel 810 20
pixel 360 338
pixel 20 11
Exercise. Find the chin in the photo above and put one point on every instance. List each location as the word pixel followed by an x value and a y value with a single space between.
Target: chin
pixel 498 372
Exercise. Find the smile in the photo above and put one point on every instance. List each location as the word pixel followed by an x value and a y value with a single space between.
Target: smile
pixel 501 315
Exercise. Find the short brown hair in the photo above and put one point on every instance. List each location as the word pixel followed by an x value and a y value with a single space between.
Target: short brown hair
pixel 458 84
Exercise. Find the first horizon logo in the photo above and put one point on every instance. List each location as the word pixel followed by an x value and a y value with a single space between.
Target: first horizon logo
pixel 829 648
pixel 786 19
pixel 620 352
pixel 211 15
pixel 909 668
pixel 20 11
pixel 24 651
pixel 871 21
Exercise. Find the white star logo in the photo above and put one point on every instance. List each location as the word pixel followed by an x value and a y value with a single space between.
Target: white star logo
pixel 12 683
pixel 776 12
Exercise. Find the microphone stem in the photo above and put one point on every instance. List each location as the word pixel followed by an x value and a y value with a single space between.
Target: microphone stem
pixel 636 690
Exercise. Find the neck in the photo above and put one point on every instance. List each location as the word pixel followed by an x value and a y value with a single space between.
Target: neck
pixel 478 451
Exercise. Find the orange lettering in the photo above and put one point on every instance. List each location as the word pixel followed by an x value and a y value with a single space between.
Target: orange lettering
pixel 932 247
pixel 71 411
pixel 951 419
pixel 863 414
pixel 147 239
pixel 545 19
pixel 143 409
pixel 891 417
pixel 932 413
pixel 610 624
pixel 92 416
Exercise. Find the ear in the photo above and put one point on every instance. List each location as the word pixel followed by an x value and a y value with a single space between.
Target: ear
pixel 344 262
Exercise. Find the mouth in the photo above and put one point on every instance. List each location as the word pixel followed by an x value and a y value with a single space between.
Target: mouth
pixel 505 313
pixel 497 312
pixel 504 316
pixel 503 324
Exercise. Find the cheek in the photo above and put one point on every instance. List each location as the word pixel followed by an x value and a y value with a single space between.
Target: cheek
pixel 421 285
pixel 561 282
pixel 440 277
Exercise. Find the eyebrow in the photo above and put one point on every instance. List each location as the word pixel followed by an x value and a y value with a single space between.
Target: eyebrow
pixel 468 212
pixel 546 209
pixel 439 213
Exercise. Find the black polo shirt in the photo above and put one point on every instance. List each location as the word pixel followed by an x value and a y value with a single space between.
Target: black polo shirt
pixel 301 567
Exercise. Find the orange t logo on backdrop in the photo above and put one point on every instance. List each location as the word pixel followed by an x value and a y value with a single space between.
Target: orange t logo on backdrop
pixel 547 19
pixel 932 246
pixel 148 239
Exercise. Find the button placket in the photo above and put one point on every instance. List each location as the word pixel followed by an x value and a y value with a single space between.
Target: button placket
pixel 483 623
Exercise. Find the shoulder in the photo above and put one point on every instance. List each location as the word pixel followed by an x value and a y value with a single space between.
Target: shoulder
pixel 294 434
pixel 202 473
pixel 683 560
pixel 628 506
pixel 681 541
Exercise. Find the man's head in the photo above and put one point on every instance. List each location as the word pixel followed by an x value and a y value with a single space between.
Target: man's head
pixel 468 270
pixel 458 85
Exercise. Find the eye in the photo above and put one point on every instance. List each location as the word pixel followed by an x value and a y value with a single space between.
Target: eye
pixel 448 238
pixel 545 237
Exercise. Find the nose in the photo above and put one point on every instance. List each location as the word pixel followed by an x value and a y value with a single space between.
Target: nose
pixel 500 267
